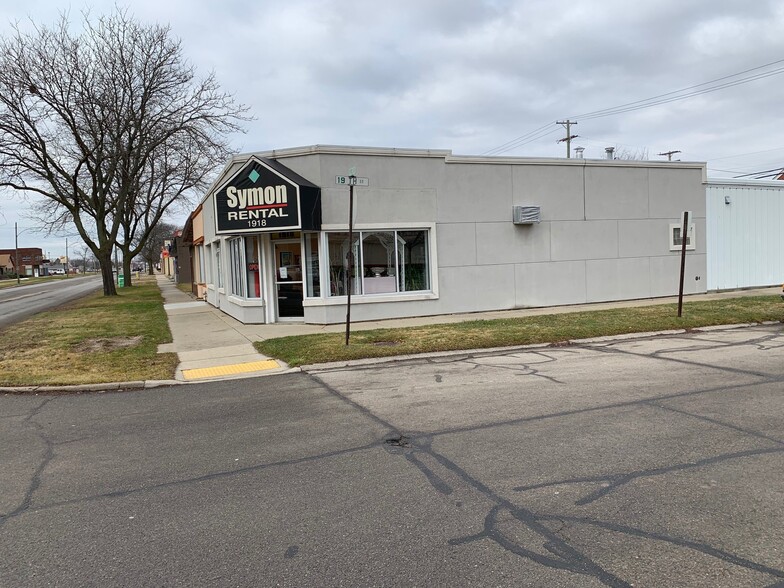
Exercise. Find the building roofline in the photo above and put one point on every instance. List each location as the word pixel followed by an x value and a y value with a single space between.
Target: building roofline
pixel 447 156
pixel 742 182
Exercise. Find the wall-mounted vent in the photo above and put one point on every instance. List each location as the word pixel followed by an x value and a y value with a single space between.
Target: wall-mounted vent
pixel 526 215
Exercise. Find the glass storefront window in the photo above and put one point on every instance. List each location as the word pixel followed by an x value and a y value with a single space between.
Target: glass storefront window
pixel 200 254
pixel 387 262
pixel 414 274
pixel 338 248
pixel 253 267
pixel 312 278
pixel 218 264
pixel 235 263
pixel 378 262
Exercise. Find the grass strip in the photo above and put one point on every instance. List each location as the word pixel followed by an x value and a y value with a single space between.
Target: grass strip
pixel 11 282
pixel 93 340
pixel 551 328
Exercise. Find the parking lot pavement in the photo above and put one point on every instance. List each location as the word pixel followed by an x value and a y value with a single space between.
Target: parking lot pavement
pixel 638 462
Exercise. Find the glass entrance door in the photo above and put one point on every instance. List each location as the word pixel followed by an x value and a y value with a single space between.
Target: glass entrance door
pixel 288 278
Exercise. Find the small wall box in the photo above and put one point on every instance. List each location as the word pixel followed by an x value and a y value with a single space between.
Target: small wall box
pixel 526 215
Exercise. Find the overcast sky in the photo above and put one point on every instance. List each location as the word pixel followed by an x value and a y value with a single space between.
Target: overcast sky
pixel 472 76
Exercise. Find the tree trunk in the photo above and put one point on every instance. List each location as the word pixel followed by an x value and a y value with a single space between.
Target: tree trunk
pixel 105 261
pixel 150 268
pixel 127 270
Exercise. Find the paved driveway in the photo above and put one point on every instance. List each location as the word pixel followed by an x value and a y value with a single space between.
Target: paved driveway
pixel 644 462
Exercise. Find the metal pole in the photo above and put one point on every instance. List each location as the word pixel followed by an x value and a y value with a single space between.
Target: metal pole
pixel 16 252
pixel 684 234
pixel 66 257
pixel 350 254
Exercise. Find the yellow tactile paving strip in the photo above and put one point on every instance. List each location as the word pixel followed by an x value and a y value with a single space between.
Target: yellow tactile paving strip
pixel 230 370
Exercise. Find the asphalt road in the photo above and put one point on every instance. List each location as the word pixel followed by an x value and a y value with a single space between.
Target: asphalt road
pixel 20 302
pixel 643 462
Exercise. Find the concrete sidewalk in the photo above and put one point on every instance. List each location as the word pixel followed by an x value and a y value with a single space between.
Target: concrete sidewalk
pixel 207 342
pixel 212 345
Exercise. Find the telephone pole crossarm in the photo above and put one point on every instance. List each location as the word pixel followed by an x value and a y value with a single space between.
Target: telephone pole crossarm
pixel 669 154
pixel 567 124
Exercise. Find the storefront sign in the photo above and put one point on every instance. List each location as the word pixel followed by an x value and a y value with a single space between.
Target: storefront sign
pixel 266 196
pixel 253 267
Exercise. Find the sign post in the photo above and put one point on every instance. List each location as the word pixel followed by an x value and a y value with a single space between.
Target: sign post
pixel 351 180
pixel 684 237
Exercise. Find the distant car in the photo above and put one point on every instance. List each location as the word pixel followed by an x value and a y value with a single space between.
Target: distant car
pixel 56 272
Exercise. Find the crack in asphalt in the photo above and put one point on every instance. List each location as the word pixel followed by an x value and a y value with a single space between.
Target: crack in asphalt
pixel 197 479
pixel 552 549
pixel 35 480
pixel 562 555
pixel 718 422
pixel 524 368
pixel 615 481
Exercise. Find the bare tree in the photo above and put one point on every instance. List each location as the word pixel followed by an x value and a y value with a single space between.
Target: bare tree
pixel 151 250
pixel 84 117
pixel 631 154
pixel 173 171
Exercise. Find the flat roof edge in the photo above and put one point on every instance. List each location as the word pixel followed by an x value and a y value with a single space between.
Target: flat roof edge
pixel 573 161
pixel 740 182
pixel 348 150
pixel 447 155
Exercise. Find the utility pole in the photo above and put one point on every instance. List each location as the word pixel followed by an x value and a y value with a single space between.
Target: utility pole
pixel 66 257
pixel 669 154
pixel 16 251
pixel 350 261
pixel 567 124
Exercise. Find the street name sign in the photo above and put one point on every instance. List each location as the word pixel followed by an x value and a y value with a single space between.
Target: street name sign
pixel 351 181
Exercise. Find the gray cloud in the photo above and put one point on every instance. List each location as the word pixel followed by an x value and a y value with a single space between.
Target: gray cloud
pixel 470 76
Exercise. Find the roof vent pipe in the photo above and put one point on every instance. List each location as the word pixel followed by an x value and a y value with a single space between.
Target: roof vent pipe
pixel 578 152
pixel 609 152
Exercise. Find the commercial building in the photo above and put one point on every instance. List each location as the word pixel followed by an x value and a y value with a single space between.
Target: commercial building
pixel 30 262
pixel 436 233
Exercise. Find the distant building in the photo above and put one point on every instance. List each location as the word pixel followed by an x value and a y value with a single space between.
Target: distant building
pixel 31 260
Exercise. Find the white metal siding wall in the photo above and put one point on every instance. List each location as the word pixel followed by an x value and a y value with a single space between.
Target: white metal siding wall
pixel 745 236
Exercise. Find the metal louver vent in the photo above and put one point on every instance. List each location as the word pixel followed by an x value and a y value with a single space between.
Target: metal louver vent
pixel 526 215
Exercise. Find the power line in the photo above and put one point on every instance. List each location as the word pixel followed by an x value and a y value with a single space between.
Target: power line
pixel 738 155
pixel 688 92
pixel 515 142
pixel 673 96
pixel 774 171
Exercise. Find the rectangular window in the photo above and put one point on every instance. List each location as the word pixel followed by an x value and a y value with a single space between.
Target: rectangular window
pixel 414 274
pixel 207 266
pixel 338 249
pixel 312 278
pixel 218 264
pixel 202 276
pixel 236 265
pixel 253 267
pixel 387 262
pixel 675 237
pixel 378 262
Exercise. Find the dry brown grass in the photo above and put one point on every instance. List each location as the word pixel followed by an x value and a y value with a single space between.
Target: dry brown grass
pixel 94 340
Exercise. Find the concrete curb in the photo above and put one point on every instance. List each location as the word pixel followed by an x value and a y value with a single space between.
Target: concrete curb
pixel 336 365
pixel 81 388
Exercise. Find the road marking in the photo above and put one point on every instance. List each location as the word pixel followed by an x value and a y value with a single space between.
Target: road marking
pixel 229 370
